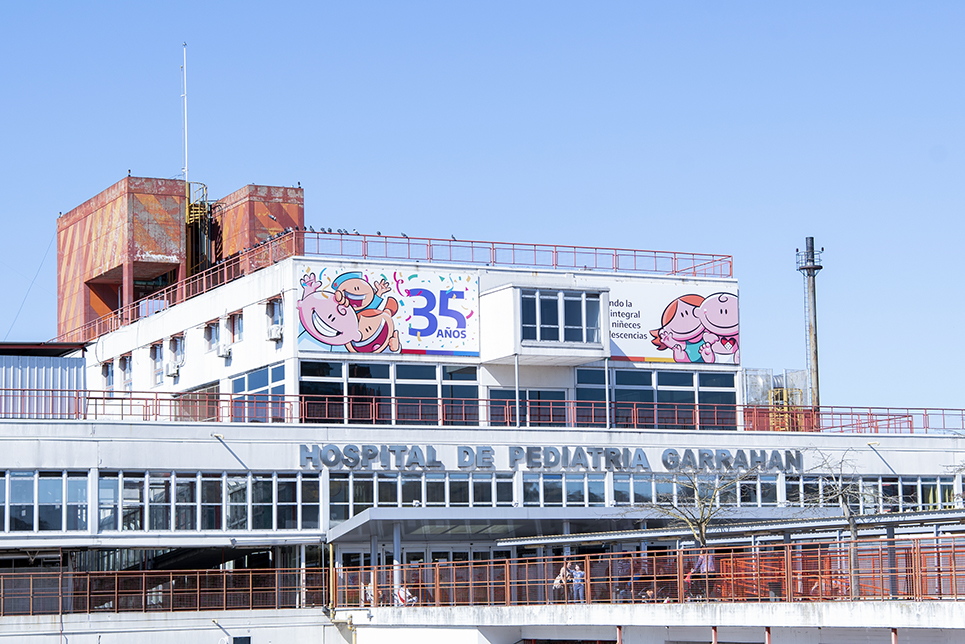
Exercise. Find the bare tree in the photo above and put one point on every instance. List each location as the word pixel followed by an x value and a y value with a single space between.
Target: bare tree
pixel 703 500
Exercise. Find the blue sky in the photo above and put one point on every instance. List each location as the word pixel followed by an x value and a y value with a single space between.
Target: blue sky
pixel 737 128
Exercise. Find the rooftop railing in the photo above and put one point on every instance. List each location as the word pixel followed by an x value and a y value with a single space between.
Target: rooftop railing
pixel 422 249
pixel 919 569
pixel 468 412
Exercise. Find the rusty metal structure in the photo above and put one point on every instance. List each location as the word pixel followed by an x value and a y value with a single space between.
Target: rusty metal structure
pixel 143 235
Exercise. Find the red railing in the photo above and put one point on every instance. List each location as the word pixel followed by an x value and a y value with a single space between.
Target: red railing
pixel 384 410
pixel 421 249
pixel 46 593
pixel 910 569
pixel 918 569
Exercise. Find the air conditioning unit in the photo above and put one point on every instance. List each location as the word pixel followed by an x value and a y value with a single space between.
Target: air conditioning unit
pixel 171 369
pixel 275 332
pixel 224 350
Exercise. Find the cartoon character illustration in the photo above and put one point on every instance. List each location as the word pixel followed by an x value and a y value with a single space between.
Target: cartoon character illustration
pixel 327 317
pixel 359 294
pixel 682 332
pixel 377 329
pixel 718 315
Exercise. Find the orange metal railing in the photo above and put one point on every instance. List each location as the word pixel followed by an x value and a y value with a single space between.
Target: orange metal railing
pixel 909 569
pixel 920 569
pixel 378 410
pixel 421 249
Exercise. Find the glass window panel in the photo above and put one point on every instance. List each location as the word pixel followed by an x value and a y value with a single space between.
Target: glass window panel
pixel 321 369
pixel 435 489
pixel 21 487
pixel 50 489
pixel 665 489
pixel 596 489
pixel 575 494
pixel 504 489
pixel 675 379
pixel 261 490
pixel 716 379
pixel 388 489
pixel 590 377
pixel 727 491
pixel 748 492
pixel 642 489
pixel 258 379
pixel 528 315
pixel 633 378
pixel 287 490
pixel 411 489
pixel 768 490
pixel 458 490
pixel 549 323
pixel 415 372
pixel 76 489
pixel 621 489
pixel 458 373
pixel 552 490
pixel 338 488
pixel 482 489
pixel 278 373
pixel 592 317
pixel 368 371
pixel 531 496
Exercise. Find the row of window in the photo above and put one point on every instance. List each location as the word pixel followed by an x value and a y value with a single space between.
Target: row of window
pixel 167 356
pixel 57 501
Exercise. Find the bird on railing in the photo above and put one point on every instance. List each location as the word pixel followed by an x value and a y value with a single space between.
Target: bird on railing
pixel 453 238
pixel 404 235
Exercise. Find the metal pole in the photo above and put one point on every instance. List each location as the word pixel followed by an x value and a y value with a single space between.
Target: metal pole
pixel 396 558
pixel 809 264
pixel 517 387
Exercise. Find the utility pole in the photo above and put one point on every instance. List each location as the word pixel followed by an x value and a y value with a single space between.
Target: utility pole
pixel 809 263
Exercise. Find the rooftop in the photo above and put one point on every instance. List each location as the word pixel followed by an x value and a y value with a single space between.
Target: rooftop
pixel 409 249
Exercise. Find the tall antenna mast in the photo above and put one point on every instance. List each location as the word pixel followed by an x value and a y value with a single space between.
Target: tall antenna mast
pixel 184 107
pixel 809 263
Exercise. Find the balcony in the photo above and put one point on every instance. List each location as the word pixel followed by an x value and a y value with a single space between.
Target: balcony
pixel 470 412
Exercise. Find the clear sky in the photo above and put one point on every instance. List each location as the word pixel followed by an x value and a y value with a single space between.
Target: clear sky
pixel 736 128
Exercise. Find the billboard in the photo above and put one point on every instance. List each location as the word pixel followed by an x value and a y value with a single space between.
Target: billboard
pixel 693 322
pixel 387 310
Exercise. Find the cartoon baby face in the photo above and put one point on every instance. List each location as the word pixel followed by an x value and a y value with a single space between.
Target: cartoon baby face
pixel 718 314
pixel 378 333
pixel 326 316
pixel 357 292
pixel 684 325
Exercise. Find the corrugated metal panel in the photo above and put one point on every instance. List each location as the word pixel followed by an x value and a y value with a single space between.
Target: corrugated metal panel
pixel 62 380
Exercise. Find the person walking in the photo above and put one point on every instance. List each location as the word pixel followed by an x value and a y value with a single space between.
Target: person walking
pixel 702 585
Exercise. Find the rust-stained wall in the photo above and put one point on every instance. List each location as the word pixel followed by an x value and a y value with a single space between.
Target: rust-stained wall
pixel 132 230
pixel 245 215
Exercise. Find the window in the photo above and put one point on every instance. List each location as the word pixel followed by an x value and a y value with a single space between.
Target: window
pixel 159 501
pixel 126 372
pixel 259 396
pixel 50 501
pixel 107 372
pixel 21 501
pixel 77 501
pixel 185 502
pixel 276 311
pixel 212 333
pixel 132 500
pixel 211 501
pixel 236 326
pixel 560 316
pixel 177 349
pixel 107 500
pixel 157 361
